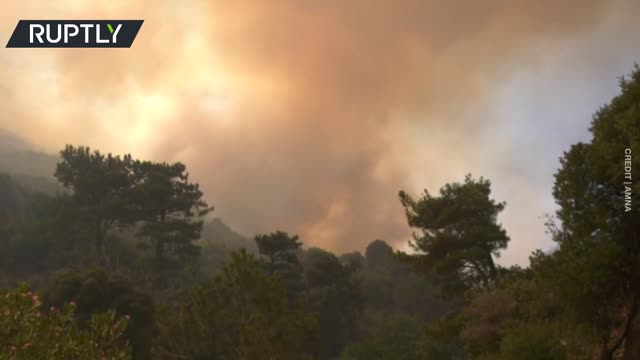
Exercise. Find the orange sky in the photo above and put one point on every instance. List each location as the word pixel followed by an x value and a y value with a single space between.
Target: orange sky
pixel 310 116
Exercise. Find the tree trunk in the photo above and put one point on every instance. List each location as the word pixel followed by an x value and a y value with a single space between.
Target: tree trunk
pixel 632 346
pixel 609 351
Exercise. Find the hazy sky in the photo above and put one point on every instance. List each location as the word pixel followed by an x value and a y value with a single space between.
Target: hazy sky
pixel 310 116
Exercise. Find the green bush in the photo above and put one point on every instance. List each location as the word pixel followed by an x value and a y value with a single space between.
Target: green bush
pixel 27 331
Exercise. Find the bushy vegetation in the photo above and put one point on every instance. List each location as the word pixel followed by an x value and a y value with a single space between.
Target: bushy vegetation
pixel 125 262
pixel 29 330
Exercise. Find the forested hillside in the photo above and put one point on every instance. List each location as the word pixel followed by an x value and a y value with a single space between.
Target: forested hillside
pixel 110 256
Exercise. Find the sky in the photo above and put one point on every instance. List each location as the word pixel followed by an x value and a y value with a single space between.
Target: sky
pixel 310 116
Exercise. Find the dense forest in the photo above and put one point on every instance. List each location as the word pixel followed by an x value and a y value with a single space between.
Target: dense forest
pixel 120 258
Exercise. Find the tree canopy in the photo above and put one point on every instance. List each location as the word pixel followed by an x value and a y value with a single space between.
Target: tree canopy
pixel 459 235
pixel 123 264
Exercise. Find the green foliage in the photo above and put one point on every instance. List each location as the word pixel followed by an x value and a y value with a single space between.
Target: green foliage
pixel 442 340
pixel 354 261
pixel 169 207
pixel 95 292
pixel 279 247
pixel 28 332
pixel 324 269
pixel 157 198
pixel 533 341
pixel 389 285
pixel 378 254
pixel 281 253
pixel 100 184
pixel 488 316
pixel 389 337
pixel 50 233
pixel 459 234
pixel 579 301
pixel 243 314
pixel 595 271
pixel 335 298
pixel 13 196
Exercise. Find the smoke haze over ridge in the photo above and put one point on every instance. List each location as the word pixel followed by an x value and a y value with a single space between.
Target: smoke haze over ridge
pixel 310 116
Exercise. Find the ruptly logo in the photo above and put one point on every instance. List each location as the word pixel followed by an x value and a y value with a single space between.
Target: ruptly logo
pixel 74 33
